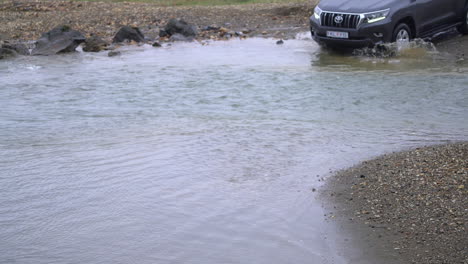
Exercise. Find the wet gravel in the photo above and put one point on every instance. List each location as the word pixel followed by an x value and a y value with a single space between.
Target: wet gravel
pixel 416 201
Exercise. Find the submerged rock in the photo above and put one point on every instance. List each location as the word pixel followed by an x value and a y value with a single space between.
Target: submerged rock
pixel 127 33
pixel 7 53
pixel 95 44
pixel 58 40
pixel 179 26
pixel 113 53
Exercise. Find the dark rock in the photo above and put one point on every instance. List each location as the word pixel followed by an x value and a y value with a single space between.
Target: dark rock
pixel 163 33
pixel 113 53
pixel 95 44
pixel 20 48
pixel 58 40
pixel 180 37
pixel 157 45
pixel 129 34
pixel 280 42
pixel 7 53
pixel 247 31
pixel 211 28
pixel 175 26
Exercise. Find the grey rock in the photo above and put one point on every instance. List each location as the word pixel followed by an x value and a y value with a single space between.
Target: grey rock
pixel 113 53
pixel 179 37
pixel 58 40
pixel 95 44
pixel 127 33
pixel 7 53
pixel 20 48
pixel 178 26
pixel 280 42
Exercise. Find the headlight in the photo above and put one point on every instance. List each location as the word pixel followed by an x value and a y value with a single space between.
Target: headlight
pixel 375 16
pixel 317 12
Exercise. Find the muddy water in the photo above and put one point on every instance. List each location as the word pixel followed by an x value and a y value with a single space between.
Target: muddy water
pixel 203 154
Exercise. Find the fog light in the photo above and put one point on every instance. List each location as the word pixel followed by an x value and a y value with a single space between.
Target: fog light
pixel 378 35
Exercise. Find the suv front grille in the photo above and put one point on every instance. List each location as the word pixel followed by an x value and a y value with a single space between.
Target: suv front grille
pixel 349 20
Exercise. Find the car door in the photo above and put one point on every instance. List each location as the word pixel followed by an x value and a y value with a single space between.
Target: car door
pixel 432 14
pixel 449 10
pixel 423 14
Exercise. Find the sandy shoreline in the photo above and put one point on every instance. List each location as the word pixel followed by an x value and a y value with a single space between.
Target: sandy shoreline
pixel 406 207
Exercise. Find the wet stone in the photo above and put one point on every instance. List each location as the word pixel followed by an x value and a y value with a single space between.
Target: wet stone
pixel 114 53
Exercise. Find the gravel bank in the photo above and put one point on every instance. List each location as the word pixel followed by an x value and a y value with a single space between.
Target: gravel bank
pixel 28 19
pixel 412 205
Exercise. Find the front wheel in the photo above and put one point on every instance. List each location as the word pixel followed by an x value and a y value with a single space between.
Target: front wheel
pixel 402 34
pixel 463 28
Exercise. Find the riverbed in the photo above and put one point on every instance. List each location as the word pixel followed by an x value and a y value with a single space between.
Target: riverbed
pixel 204 154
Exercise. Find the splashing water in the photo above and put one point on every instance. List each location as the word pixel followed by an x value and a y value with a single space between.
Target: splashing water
pixel 417 48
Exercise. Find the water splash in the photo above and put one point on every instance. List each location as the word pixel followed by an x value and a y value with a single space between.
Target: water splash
pixel 417 48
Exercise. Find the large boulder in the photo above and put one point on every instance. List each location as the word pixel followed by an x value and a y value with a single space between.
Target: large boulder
pixel 58 40
pixel 179 26
pixel 95 44
pixel 127 33
pixel 7 53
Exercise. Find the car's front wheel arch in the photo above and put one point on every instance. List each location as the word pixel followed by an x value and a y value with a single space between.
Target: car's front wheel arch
pixel 409 21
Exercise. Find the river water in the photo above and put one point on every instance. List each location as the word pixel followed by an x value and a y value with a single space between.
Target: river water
pixel 203 154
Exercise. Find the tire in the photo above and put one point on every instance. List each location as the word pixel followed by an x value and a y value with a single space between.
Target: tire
pixel 463 28
pixel 401 32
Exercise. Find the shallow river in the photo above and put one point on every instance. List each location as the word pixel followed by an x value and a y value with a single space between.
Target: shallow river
pixel 203 154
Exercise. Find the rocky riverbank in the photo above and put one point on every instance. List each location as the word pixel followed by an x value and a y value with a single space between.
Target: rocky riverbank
pixel 28 19
pixel 412 205
pixel 99 22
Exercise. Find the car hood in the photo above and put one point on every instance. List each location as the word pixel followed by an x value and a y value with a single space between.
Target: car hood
pixel 356 6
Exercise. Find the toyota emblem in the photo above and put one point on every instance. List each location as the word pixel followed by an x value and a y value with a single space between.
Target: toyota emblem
pixel 339 19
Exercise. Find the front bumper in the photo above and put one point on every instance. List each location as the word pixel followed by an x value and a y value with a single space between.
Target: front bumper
pixel 366 35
